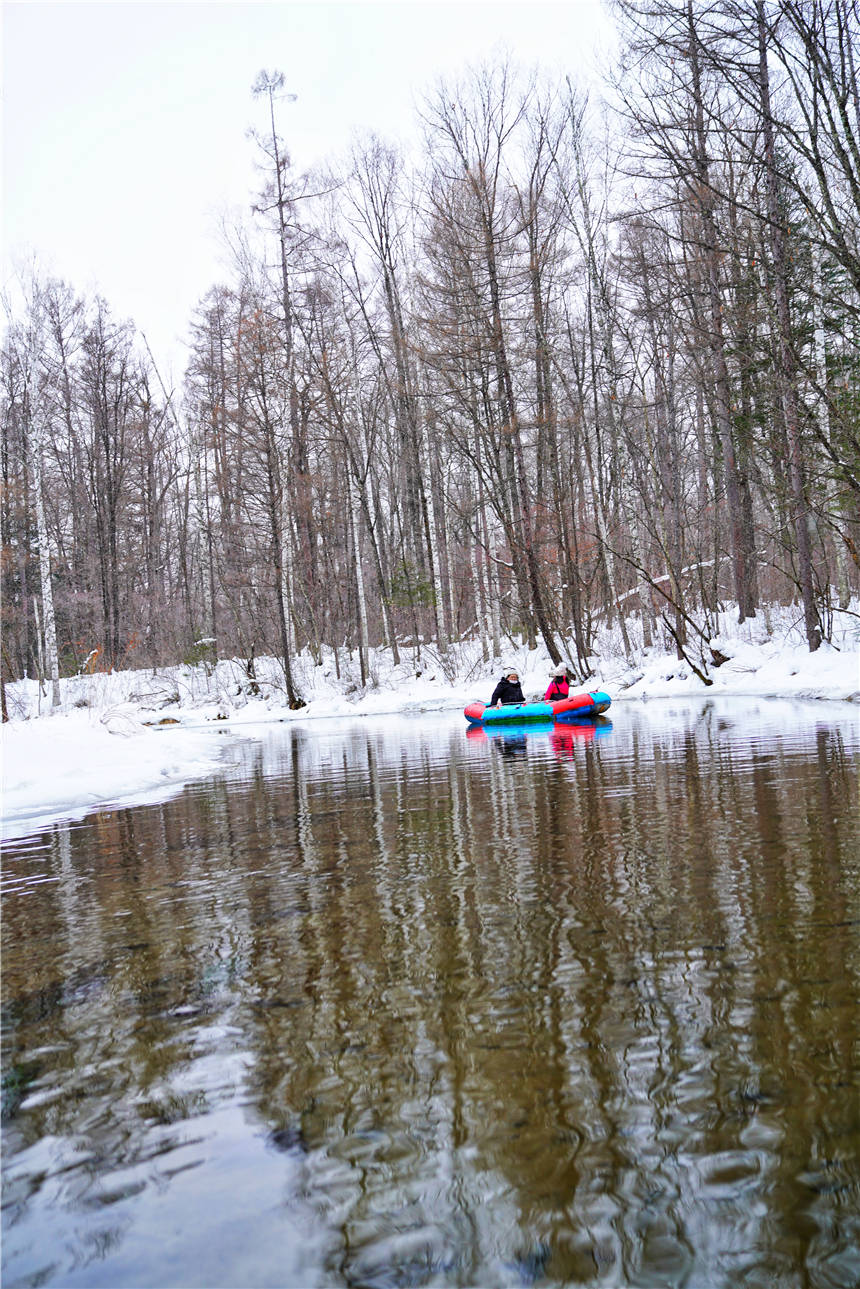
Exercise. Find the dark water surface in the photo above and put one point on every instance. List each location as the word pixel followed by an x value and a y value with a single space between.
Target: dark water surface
pixel 387 1005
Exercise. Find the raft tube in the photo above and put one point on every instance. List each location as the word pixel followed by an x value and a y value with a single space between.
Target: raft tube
pixel 574 707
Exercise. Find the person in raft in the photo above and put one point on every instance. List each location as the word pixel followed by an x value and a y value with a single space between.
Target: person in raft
pixel 508 690
pixel 559 686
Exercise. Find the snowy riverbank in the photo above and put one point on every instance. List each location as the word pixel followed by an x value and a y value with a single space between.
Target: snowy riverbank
pixel 140 735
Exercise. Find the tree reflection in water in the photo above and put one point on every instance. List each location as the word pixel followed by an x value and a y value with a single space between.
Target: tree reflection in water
pixel 401 1005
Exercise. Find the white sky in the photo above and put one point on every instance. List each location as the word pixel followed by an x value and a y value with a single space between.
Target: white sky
pixel 124 124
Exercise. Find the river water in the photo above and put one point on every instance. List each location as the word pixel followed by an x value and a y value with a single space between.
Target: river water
pixel 392 1004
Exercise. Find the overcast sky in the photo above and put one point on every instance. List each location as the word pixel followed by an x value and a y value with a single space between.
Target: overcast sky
pixel 124 124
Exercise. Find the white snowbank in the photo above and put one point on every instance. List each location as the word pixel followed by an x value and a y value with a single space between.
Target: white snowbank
pixel 770 669
pixel 65 765
pixel 106 745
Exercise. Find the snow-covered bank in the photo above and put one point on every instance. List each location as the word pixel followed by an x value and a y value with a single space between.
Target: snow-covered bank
pixel 765 667
pixel 136 735
pixel 69 764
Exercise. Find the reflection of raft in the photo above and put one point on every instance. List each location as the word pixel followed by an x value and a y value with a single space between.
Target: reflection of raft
pixel 574 707
pixel 562 734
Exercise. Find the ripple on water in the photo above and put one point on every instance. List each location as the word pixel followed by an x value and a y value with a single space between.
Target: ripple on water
pixel 391 1006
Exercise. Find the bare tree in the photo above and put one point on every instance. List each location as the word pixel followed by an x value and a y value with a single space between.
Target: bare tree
pixel 472 130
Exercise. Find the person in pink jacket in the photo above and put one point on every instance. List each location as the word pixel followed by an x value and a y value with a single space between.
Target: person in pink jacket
pixel 558 687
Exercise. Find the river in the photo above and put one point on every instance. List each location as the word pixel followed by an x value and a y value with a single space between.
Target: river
pixel 394 1003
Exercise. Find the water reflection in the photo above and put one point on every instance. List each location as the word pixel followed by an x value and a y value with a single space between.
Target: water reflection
pixel 398 1005
pixel 512 739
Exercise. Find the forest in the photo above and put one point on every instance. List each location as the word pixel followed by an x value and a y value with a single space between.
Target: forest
pixel 582 358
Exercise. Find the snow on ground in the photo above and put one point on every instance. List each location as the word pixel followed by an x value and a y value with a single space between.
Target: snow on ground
pixel 761 661
pixel 135 734
pixel 66 765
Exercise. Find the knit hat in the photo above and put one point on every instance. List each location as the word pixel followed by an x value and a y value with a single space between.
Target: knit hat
pixel 560 670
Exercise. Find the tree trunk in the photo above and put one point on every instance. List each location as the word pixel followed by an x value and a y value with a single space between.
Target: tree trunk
pixel 354 517
pixel 820 346
pixel 716 337
pixel 48 619
pixel 426 490
pixel 787 363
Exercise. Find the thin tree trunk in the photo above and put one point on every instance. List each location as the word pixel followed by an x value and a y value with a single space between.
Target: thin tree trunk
pixel 510 420
pixel 354 516
pixel 384 605
pixel 479 600
pixel 716 337
pixel 278 522
pixel 606 550
pixel 787 364
pixel 48 619
pixel 426 488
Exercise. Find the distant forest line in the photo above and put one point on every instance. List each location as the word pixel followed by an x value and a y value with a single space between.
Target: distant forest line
pixel 576 362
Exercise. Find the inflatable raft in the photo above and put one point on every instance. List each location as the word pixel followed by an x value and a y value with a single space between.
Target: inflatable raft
pixel 572 708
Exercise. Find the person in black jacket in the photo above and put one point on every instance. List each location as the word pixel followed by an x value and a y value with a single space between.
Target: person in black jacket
pixel 508 690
